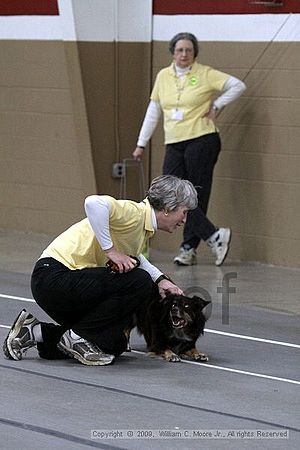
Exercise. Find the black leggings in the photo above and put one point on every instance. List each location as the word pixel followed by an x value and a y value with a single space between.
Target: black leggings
pixel 194 160
pixel 95 303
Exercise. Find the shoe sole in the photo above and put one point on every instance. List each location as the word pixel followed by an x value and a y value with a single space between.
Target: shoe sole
pixel 7 348
pixel 226 253
pixel 179 263
pixel 73 354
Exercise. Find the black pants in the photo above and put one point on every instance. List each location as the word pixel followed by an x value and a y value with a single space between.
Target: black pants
pixel 95 303
pixel 194 160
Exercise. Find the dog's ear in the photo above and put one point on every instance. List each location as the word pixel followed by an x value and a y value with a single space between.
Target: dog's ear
pixel 207 310
pixel 205 306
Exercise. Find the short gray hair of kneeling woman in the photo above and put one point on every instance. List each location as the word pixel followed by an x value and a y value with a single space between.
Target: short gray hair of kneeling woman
pixel 168 192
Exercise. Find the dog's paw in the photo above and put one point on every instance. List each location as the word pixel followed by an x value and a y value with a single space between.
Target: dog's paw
pixel 201 357
pixel 194 355
pixel 174 358
pixel 171 356
pixel 168 355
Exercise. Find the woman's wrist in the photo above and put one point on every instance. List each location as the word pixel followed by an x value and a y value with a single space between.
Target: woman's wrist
pixel 163 277
pixel 108 251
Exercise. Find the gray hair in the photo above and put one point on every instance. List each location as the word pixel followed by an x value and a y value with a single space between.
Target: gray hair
pixel 186 36
pixel 168 192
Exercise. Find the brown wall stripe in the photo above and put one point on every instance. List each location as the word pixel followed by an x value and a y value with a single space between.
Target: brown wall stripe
pixel 28 8
pixel 164 7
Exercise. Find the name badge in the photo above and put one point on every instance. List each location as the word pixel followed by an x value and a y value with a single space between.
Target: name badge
pixel 176 114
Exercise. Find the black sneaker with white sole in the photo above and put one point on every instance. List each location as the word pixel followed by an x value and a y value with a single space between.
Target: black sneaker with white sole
pixel 84 351
pixel 20 337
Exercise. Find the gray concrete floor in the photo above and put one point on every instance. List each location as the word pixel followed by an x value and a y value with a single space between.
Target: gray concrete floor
pixel 251 382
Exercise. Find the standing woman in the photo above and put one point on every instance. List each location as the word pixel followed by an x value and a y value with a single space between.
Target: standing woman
pixel 184 93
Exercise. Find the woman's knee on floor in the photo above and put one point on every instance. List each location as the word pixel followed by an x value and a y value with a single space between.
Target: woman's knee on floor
pixel 113 342
pixel 50 351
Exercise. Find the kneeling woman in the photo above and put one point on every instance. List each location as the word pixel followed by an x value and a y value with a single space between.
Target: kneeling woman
pixel 71 283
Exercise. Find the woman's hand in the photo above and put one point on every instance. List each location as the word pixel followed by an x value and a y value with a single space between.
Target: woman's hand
pixel 167 287
pixel 212 114
pixel 138 153
pixel 125 263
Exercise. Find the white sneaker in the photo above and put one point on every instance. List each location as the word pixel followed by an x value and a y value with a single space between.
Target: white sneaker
pixel 20 337
pixel 84 351
pixel 186 257
pixel 219 244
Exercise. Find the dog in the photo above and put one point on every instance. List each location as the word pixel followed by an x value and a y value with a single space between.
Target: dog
pixel 172 325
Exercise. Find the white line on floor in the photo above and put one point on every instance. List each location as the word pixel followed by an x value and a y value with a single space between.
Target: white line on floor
pixel 223 333
pixel 13 297
pixel 251 338
pixel 228 369
pixel 207 330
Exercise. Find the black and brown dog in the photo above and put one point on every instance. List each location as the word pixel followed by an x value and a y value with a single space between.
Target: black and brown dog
pixel 171 326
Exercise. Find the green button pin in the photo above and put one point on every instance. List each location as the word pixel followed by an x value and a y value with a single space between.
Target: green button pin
pixel 193 80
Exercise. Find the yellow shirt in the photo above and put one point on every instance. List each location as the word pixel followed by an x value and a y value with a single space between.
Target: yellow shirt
pixel 191 96
pixel 130 226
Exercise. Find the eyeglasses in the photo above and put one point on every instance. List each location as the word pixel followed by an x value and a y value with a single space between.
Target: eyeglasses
pixel 184 50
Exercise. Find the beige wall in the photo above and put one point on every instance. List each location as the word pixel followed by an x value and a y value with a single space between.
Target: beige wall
pixel 46 168
pixel 116 89
pixel 69 110
pixel 256 185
